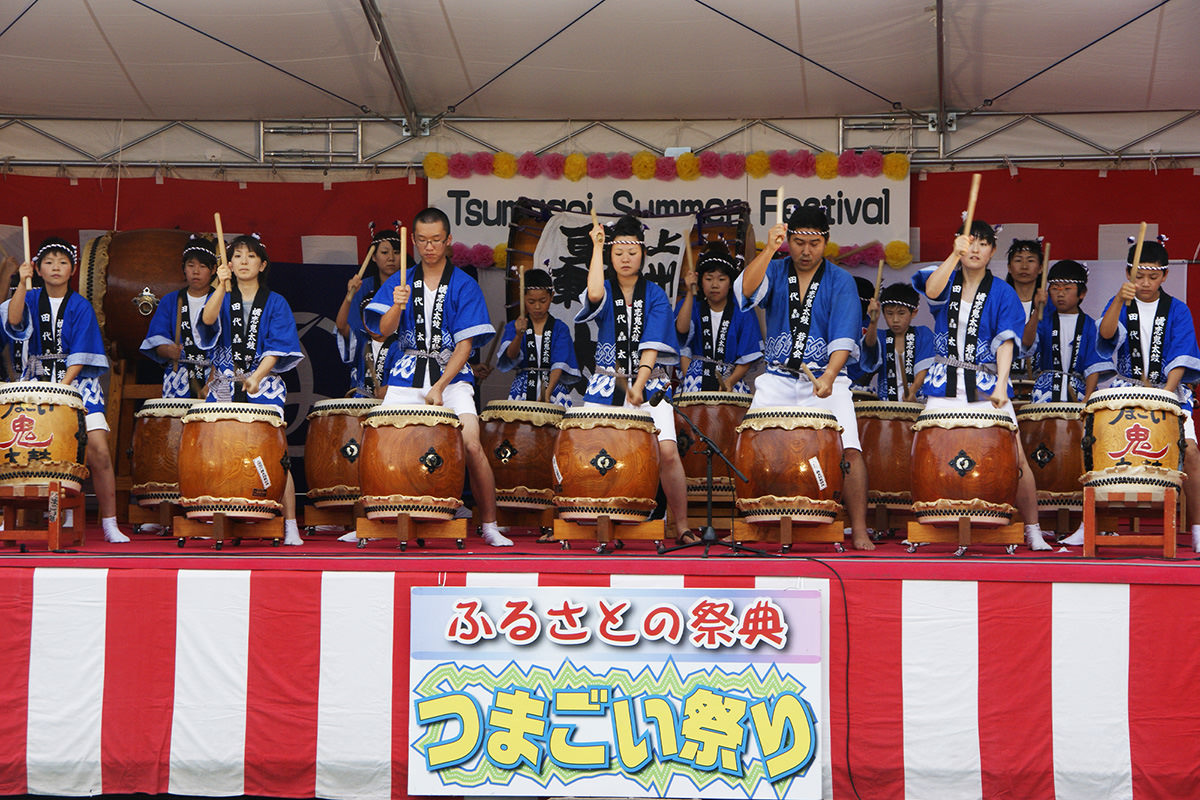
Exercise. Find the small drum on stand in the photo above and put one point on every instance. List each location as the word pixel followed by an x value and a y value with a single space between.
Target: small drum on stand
pixel 886 430
pixel 964 465
pixel 413 462
pixel 518 438
pixel 1052 436
pixel 233 461
pixel 157 430
pixel 332 448
pixel 792 458
pixel 606 464
pixel 1132 442
pixel 43 435
pixel 717 414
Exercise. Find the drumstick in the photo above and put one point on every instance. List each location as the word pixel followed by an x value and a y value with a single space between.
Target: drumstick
pixel 971 198
pixel 1137 250
pixel 595 219
pixel 221 245
pixel 808 373
pixel 28 259
pixel 521 291
pixel 1045 286
pixel 403 255
pixel 367 260
pixel 779 206
pixel 879 279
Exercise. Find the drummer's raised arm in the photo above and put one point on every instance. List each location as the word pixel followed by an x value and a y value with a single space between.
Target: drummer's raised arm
pixel 935 284
pixel 752 276
pixel 595 279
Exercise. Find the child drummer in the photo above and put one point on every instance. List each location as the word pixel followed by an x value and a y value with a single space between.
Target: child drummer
pixel 1150 336
pixel 907 351
pixel 539 348
pixel 174 332
pixel 720 342
pixel 1064 349
pixel 977 326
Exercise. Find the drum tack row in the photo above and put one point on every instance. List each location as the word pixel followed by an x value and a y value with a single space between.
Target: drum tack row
pixel 585 464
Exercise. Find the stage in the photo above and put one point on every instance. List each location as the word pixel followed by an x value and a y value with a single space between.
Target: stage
pixel 284 671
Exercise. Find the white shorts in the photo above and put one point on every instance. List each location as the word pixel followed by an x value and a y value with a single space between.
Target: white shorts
pixel 959 404
pixel 776 390
pixel 459 397
pixel 96 421
pixel 663 415
pixel 1189 427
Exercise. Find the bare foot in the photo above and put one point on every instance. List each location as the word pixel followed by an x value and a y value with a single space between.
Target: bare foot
pixel 862 541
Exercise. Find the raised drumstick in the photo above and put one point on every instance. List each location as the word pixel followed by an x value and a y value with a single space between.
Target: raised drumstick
pixel 879 279
pixel 367 260
pixel 28 256
pixel 1045 277
pixel 971 198
pixel 1137 249
pixel 521 291
pixel 403 255
pixel 221 244
pixel 779 206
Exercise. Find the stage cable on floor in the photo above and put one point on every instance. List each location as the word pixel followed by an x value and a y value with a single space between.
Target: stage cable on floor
pixel 18 18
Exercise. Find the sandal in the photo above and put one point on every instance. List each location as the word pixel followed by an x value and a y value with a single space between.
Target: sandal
pixel 545 538
pixel 687 537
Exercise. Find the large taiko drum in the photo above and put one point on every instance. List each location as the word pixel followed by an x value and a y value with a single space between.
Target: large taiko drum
pixel 157 430
pixel 1052 437
pixel 1132 442
pixel 413 462
pixel 792 458
pixel 232 460
pixel 43 435
pixel 606 464
pixel 717 414
pixel 332 448
pixel 886 432
pixel 964 464
pixel 114 271
pixel 518 438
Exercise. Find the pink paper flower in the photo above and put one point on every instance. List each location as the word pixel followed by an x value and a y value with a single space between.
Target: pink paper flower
pixel 528 165
pixel 460 253
pixel 848 164
pixel 710 164
pixel 481 162
pixel 620 166
pixel 781 162
pixel 460 166
pixel 481 256
pixel 873 254
pixel 597 165
pixel 552 165
pixel 733 165
pixel 804 164
pixel 664 168
pixel 870 163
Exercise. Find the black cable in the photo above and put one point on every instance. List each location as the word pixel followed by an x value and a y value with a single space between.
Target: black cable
pixel 988 101
pixel 896 106
pixel 18 19
pixel 450 109
pixel 264 62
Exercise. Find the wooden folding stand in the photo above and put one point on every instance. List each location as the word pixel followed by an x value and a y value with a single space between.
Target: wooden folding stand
pixel 33 499
pixel 224 527
pixel 965 535
pixel 608 535
pixel 162 514
pixel 1115 503
pixel 343 516
pixel 405 528
pixel 787 531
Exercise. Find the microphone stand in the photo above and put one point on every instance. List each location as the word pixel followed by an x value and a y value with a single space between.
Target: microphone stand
pixel 708 534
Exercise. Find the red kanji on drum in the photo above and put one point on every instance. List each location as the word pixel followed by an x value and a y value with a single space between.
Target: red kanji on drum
pixel 22 428
pixel 1137 443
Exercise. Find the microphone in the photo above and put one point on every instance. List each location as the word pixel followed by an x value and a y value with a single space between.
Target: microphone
pixel 658 397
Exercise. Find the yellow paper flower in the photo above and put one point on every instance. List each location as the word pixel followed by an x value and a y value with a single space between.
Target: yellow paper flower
pixel 758 164
pixel 644 164
pixel 832 250
pixel 500 255
pixel 436 166
pixel 504 165
pixel 827 165
pixel 687 166
pixel 895 166
pixel 575 167
pixel 897 254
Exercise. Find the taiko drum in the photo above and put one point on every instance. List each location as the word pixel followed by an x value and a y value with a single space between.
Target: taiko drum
pixel 1052 437
pixel 232 460
pixel 717 414
pixel 157 430
pixel 518 438
pixel 792 458
pixel 43 436
pixel 413 462
pixel 964 464
pixel 1132 441
pixel 332 448
pixel 885 430
pixel 606 464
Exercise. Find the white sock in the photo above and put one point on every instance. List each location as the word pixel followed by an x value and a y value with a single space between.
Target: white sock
pixel 291 533
pixel 1035 538
pixel 1196 538
pixel 351 536
pixel 111 532
pixel 492 535
pixel 1075 538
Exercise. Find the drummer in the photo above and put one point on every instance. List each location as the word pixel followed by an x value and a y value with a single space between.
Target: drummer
pixel 67 349
pixel 720 342
pixel 907 353
pixel 255 338
pixel 977 326
pixel 365 353
pixel 173 339
pixel 813 321
pixel 1150 336
pixel 1064 349
pixel 437 331
pixel 634 342
pixel 539 348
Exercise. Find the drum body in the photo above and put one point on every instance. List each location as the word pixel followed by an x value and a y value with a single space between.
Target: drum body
pixel 114 270
pixel 1052 437
pixel 43 436
pixel 413 462
pixel 157 430
pixel 792 458
pixel 964 464
pixel 232 460
pixel 886 432
pixel 717 414
pixel 518 439
pixel 606 464
pixel 1132 442
pixel 332 448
